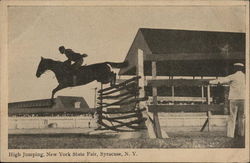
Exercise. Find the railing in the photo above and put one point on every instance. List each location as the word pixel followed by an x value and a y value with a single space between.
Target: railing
pixel 178 99
pixel 45 122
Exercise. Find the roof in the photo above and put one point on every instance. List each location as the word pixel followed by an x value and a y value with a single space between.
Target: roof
pixel 186 52
pixel 168 41
pixel 62 104
pixel 30 104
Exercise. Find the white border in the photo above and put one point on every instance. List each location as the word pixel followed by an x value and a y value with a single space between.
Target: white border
pixel 148 155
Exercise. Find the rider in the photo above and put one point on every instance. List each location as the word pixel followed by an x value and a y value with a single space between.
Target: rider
pixel 72 56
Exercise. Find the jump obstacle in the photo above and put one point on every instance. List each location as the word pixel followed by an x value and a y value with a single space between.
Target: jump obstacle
pixel 128 116
pixel 128 112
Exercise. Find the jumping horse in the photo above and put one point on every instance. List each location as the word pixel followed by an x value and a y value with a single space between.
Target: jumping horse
pixel 101 72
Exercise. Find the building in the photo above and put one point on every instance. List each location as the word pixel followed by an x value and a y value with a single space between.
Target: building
pixel 63 105
pixel 176 65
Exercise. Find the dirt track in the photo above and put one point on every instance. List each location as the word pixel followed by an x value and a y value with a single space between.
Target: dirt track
pixel 176 140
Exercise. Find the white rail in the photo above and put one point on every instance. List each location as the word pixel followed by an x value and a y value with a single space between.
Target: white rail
pixel 184 99
pixel 45 122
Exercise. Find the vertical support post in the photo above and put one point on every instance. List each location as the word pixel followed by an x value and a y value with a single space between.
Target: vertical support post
pixel 16 123
pixel 172 87
pixel 154 91
pixel 208 95
pixel 142 104
pixel 75 122
pixel 208 102
pixel 155 114
pixel 140 72
pixel 202 91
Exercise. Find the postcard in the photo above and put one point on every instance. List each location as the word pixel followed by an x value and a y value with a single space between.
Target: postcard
pixel 124 81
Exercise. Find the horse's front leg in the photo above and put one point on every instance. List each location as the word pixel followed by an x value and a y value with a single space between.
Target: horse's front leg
pixel 113 79
pixel 59 87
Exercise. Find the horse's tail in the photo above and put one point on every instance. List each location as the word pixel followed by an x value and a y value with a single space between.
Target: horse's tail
pixel 118 65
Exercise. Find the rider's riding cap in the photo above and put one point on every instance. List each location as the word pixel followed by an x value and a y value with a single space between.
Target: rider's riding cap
pixel 61 49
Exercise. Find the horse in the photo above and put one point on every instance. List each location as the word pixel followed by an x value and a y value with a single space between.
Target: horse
pixel 101 72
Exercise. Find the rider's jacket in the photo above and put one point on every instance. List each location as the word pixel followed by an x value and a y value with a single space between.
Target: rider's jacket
pixel 72 56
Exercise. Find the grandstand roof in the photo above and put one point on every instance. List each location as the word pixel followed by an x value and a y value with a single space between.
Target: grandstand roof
pixel 186 52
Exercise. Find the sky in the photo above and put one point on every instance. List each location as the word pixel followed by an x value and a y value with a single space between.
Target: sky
pixel 104 33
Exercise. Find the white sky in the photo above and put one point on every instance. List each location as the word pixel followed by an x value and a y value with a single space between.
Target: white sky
pixel 104 33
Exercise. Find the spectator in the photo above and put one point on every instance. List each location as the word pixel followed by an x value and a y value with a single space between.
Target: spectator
pixel 236 82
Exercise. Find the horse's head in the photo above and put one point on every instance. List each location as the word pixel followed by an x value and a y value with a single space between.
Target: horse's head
pixel 42 67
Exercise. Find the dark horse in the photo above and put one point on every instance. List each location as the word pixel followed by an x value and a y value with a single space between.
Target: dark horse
pixel 100 72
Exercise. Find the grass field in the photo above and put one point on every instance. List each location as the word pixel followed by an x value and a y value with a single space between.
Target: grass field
pixel 176 140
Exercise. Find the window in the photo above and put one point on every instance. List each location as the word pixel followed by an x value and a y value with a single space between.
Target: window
pixel 77 104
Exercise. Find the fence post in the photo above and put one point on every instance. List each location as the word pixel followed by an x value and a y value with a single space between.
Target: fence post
pixel 75 122
pixel 16 124
pixel 202 91
pixel 209 112
pixel 142 104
